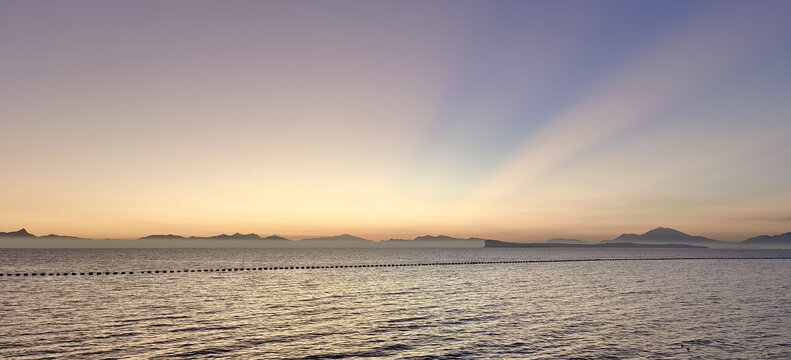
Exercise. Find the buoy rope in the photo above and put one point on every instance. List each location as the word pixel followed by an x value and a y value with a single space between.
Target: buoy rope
pixel 311 267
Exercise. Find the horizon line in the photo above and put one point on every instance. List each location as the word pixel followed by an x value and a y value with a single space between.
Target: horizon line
pixel 24 230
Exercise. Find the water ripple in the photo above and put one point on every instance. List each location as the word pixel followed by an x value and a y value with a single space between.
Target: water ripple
pixel 564 309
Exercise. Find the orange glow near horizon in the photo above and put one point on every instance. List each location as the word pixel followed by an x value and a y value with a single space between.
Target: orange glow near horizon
pixel 471 120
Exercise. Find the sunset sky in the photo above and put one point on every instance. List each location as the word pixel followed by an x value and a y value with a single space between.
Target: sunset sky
pixel 514 120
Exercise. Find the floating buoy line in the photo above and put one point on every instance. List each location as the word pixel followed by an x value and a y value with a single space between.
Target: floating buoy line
pixel 311 267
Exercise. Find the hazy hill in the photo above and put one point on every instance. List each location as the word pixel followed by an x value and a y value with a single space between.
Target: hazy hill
pixel 783 240
pixel 56 236
pixel 236 236
pixel 338 241
pixel 430 241
pixel 168 236
pixel 25 240
pixel 505 244
pixel 662 235
pixel 436 238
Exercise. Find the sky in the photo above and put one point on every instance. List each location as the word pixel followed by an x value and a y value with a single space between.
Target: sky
pixel 513 120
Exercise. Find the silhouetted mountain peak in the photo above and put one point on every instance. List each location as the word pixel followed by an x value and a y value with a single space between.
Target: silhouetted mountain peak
pixel 19 233
pixel 158 236
pixel 236 236
pixel 341 237
pixel 664 235
pixel 665 232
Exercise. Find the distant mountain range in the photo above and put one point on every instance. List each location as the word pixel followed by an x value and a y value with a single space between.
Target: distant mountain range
pixel 782 239
pixel 662 235
pixel 236 236
pixel 24 239
pixel 659 237
pixel 497 243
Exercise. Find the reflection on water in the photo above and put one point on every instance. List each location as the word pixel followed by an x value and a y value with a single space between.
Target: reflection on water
pixel 631 309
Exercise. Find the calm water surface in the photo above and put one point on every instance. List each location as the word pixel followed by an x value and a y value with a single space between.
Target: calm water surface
pixel 680 309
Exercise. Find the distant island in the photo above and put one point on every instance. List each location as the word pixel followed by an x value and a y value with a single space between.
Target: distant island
pixel 660 237
pixel 663 235
pixel 566 241
pixel 500 244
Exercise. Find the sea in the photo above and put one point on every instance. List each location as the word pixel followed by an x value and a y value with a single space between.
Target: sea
pixel 488 303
